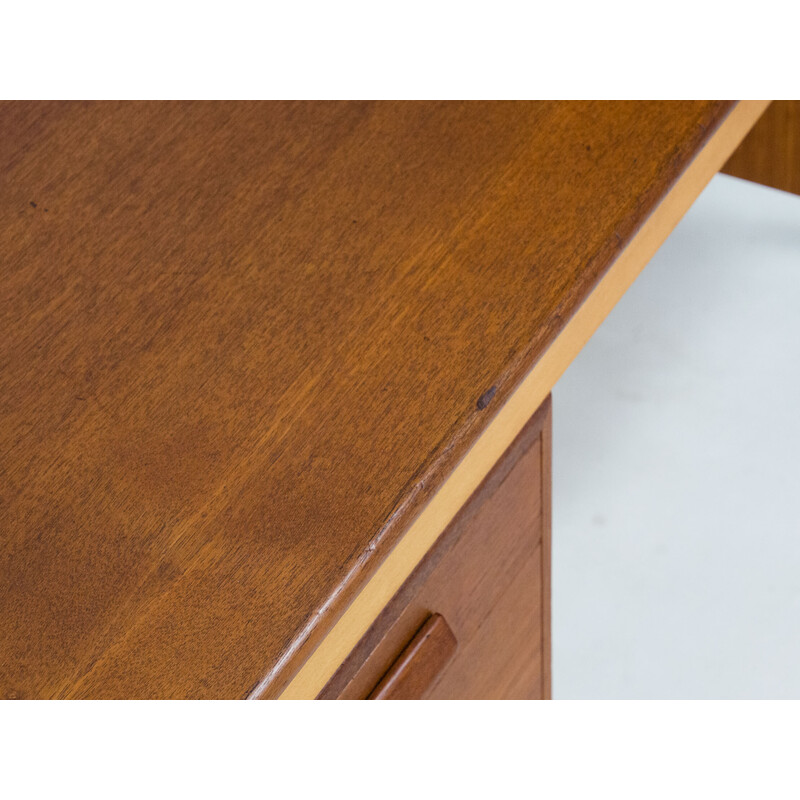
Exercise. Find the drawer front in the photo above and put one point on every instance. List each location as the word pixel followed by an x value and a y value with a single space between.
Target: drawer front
pixel 473 619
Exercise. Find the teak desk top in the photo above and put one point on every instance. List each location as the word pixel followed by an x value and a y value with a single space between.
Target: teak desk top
pixel 247 348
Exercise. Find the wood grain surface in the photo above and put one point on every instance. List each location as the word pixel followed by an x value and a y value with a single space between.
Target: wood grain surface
pixel 487 576
pixel 244 343
pixel 770 153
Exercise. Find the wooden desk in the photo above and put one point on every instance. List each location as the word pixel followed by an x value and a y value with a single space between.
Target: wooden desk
pixel 270 373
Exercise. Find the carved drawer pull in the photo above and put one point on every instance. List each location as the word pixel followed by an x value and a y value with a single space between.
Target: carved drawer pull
pixel 418 666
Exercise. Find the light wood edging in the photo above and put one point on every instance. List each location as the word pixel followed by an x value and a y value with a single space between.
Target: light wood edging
pixel 509 420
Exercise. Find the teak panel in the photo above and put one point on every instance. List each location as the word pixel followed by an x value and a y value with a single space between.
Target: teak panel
pixel 486 576
pixel 770 153
pixel 243 344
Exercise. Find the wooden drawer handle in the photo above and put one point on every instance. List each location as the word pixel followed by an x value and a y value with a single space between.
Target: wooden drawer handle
pixel 418 666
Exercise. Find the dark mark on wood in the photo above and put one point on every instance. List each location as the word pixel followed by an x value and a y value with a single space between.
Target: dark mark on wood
pixel 486 398
pixel 33 205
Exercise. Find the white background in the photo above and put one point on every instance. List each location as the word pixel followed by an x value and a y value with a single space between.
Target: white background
pixel 676 468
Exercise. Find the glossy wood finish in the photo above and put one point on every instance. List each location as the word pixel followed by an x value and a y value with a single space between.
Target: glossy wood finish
pixel 244 345
pixel 487 576
pixel 420 664
pixel 770 154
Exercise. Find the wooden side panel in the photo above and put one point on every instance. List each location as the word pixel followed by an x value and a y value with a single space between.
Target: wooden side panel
pixel 504 660
pixel 770 154
pixel 487 575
